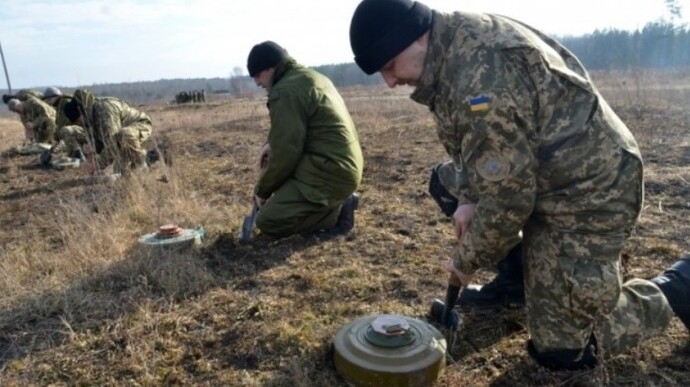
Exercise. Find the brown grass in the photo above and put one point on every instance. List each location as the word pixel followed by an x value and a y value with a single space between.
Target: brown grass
pixel 83 304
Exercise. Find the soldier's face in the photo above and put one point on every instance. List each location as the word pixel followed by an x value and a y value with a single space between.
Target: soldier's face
pixel 406 68
pixel 265 78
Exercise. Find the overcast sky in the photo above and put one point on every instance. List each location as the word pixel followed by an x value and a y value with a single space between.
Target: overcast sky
pixel 82 42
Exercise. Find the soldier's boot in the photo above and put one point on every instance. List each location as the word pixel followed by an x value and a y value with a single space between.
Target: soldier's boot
pixel 78 154
pixel 507 289
pixel 675 284
pixel 346 218
pixel 566 359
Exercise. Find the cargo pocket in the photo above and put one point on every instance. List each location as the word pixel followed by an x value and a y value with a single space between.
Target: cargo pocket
pixel 590 267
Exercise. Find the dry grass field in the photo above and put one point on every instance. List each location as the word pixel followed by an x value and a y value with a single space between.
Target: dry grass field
pixel 82 303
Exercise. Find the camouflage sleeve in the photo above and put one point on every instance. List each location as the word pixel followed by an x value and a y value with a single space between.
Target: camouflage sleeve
pixel 45 124
pixel 500 163
pixel 106 123
pixel 287 137
pixel 29 114
pixel 40 115
pixel 462 189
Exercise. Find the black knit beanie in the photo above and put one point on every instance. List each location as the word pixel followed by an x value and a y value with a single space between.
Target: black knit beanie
pixel 264 56
pixel 382 29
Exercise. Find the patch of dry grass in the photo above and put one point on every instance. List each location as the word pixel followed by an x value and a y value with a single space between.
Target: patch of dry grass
pixel 83 304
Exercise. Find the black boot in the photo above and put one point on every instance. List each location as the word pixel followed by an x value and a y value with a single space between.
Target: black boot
pixel 346 218
pixel 78 154
pixel 675 284
pixel 506 289
pixel 566 359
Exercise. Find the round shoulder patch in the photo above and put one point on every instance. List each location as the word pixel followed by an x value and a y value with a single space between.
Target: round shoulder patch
pixel 492 166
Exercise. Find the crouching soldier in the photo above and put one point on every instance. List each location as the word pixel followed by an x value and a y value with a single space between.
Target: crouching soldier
pixel 108 130
pixel 37 117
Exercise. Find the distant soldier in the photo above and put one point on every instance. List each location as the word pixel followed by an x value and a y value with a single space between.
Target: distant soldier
pixel 203 95
pixel 38 118
pixel 109 132
pixel 21 95
pixel 55 98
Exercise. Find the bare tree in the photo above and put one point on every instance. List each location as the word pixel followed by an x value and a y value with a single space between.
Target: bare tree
pixel 238 81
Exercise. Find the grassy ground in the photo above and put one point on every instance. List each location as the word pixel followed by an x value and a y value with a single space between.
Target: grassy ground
pixel 84 304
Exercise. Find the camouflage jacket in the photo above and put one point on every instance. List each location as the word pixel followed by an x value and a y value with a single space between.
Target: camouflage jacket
pixel 312 137
pixel 24 94
pixel 521 118
pixel 38 115
pixel 104 118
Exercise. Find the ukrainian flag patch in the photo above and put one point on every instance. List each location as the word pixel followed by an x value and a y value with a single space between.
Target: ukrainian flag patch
pixel 479 103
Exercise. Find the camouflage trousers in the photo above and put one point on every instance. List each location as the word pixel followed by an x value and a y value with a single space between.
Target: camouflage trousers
pixel 573 288
pixel 125 150
pixel 74 137
pixel 573 284
pixel 289 211
pixel 45 133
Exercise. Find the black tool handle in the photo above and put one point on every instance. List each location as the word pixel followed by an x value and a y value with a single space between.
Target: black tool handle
pixel 452 293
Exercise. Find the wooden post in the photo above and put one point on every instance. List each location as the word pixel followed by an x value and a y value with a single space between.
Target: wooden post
pixel 7 76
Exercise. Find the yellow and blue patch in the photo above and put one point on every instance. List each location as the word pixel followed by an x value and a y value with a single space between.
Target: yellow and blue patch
pixel 479 103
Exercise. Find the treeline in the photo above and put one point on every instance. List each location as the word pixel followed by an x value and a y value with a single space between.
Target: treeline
pixel 659 45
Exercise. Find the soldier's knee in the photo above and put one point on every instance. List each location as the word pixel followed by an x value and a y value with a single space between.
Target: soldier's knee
pixel 445 200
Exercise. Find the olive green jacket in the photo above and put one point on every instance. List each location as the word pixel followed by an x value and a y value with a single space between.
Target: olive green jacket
pixel 312 137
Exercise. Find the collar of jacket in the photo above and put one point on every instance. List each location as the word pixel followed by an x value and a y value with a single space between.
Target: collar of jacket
pixel 282 68
pixel 441 36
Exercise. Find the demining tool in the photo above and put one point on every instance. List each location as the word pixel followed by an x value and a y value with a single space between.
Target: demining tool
pixel 444 312
pixel 248 224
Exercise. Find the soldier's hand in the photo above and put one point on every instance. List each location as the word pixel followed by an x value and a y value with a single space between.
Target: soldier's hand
pixel 465 279
pixel 264 156
pixel 28 133
pixel 462 218
pixel 259 201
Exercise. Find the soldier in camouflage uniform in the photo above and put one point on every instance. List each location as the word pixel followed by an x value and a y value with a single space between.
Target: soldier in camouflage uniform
pixel 21 95
pixel 55 98
pixel 539 152
pixel 38 118
pixel 313 158
pixel 110 132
